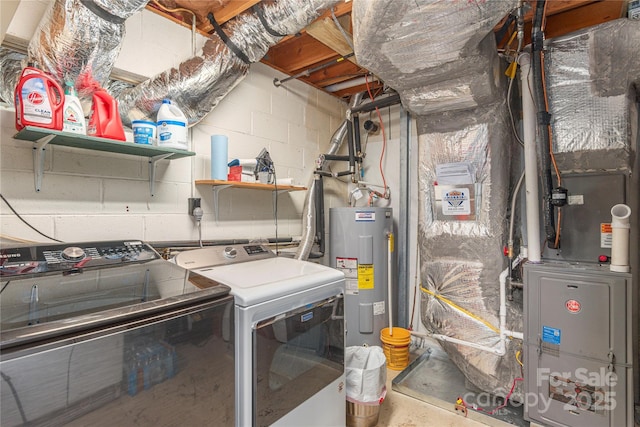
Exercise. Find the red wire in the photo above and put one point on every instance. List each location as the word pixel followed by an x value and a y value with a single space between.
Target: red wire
pixel 384 136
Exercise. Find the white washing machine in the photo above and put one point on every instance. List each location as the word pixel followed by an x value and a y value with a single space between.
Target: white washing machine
pixel 289 334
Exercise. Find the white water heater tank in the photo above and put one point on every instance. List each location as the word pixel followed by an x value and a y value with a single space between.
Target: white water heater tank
pixel 359 247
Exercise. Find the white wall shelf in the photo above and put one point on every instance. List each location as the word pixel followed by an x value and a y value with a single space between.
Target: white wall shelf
pixel 42 137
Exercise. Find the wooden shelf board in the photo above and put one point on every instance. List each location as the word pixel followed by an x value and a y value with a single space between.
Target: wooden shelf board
pixel 250 185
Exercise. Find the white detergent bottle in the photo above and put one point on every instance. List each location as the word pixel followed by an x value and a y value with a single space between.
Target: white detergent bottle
pixel 172 127
pixel 72 114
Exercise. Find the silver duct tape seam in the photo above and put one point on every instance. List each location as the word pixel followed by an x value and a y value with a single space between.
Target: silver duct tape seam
pixel 590 75
pixel 72 40
pixel 197 85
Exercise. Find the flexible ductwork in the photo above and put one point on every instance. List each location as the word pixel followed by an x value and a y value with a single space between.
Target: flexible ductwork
pixel 461 256
pixel 81 37
pixel 199 83
pixel 447 72
pixel 308 213
pixel 10 69
pixel 593 76
pixel 434 53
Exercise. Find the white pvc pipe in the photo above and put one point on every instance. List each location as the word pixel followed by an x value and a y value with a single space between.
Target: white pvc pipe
pixel 389 281
pixel 504 333
pixel 530 160
pixel 497 351
pixel 620 228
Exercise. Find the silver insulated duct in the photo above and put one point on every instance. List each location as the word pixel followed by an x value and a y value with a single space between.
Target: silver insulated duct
pixel 591 74
pixel 78 38
pixel 440 56
pixel 434 53
pixel 10 69
pixel 199 83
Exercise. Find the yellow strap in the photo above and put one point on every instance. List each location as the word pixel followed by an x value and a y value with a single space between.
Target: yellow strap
pixel 457 307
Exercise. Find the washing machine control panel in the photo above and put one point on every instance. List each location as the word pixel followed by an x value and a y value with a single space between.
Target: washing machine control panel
pixel 65 257
pixel 247 252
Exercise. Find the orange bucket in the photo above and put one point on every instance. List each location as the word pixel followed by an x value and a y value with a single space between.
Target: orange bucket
pixel 396 347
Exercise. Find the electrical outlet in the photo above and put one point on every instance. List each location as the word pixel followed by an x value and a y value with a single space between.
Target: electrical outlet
pixel 194 202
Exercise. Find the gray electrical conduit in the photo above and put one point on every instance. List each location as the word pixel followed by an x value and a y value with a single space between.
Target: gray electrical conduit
pixel 543 120
pixel 308 213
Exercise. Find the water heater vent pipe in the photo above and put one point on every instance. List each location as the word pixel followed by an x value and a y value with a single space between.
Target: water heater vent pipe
pixel 620 228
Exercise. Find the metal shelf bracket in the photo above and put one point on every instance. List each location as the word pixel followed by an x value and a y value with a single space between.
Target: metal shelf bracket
pixel 216 190
pixel 152 170
pixel 38 159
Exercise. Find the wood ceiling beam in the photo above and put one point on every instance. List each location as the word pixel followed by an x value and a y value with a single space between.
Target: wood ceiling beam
pixel 565 16
pixel 326 32
pixel 299 53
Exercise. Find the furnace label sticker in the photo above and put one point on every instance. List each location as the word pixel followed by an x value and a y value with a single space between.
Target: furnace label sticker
pixel 606 234
pixel 365 276
pixel 551 335
pixel 456 202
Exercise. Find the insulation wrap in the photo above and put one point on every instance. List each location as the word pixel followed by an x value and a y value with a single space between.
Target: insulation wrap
pixel 441 57
pixel 198 84
pixel 81 37
pixel 461 257
pixel 10 70
pixel 438 54
pixel 590 74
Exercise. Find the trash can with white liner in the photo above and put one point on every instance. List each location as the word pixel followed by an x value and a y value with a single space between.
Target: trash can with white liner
pixel 366 375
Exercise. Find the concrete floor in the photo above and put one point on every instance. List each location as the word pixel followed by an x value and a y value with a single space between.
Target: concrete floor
pixel 399 410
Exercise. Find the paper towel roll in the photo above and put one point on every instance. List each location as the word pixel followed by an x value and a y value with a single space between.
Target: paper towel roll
pixel 219 157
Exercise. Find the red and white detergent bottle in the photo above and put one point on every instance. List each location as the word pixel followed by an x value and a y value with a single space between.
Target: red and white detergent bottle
pixel 39 100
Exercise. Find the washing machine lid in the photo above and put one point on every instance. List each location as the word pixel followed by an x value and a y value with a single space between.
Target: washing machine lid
pixel 56 289
pixel 261 280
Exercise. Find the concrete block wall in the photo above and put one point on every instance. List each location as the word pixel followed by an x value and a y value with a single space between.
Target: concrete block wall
pixel 91 195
